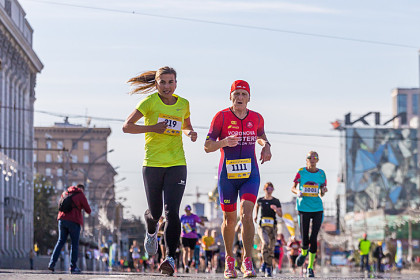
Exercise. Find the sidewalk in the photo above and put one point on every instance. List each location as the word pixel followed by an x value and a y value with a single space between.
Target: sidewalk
pixel 40 262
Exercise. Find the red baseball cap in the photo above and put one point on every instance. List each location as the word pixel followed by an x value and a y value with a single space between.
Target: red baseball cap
pixel 240 84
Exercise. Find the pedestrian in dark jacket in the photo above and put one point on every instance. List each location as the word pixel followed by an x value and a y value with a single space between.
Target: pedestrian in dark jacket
pixel 70 223
pixel 379 255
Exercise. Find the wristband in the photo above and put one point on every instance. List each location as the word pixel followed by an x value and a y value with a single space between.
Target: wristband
pixel 268 143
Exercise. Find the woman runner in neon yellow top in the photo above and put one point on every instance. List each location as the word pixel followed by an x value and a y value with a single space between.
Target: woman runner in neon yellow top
pixel 166 115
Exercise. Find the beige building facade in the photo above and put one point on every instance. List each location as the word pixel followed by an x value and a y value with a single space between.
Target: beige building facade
pixel 70 154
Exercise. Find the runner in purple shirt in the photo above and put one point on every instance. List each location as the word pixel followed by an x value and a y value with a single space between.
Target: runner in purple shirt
pixel 189 236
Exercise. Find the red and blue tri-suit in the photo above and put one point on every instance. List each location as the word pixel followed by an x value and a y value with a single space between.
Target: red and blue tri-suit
pixel 246 184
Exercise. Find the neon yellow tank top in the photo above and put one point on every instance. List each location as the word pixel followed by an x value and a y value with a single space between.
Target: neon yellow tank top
pixel 164 150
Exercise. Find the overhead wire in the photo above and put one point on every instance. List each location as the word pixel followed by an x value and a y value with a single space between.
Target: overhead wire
pixel 284 133
pixel 195 20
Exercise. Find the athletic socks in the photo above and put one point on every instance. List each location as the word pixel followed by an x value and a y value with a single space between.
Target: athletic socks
pixel 311 260
pixel 304 252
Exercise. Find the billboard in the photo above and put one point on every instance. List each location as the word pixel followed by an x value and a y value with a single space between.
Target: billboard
pixel 381 169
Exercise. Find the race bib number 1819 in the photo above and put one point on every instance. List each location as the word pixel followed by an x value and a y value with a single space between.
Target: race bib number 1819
pixel 174 124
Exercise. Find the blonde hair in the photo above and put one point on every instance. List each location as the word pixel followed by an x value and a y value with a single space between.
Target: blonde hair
pixel 146 81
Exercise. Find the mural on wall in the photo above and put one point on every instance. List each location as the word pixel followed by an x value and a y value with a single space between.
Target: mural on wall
pixel 381 169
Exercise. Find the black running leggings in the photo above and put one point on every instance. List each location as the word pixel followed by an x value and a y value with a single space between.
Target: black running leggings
pixel 304 221
pixel 167 183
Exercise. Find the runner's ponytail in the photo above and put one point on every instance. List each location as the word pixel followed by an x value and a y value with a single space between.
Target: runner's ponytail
pixel 146 82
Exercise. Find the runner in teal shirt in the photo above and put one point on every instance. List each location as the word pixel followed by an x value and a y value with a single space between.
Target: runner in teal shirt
pixel 312 183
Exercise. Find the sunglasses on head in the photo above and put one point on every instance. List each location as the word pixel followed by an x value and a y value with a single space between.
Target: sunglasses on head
pixel 314 157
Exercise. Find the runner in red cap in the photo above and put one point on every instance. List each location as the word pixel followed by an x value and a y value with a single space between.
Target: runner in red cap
pixel 234 131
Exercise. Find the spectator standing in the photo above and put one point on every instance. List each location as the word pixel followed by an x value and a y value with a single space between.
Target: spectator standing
pixel 31 259
pixel 379 254
pixel 70 221
pixel 364 250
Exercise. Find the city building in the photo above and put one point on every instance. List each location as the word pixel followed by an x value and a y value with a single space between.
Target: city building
pixel 19 66
pixel 379 185
pixel 406 100
pixel 68 155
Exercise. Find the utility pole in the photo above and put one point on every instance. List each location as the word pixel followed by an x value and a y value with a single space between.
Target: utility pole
pixel 410 241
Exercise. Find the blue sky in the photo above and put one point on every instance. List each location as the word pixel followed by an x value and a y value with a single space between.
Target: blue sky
pixel 299 83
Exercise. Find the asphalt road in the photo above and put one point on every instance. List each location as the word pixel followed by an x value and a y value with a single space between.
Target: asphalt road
pixel 46 275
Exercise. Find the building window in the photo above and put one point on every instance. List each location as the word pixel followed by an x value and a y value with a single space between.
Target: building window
pixel 48 145
pixel 60 145
pixel 59 185
pixel 86 159
pixel 401 103
pixel 35 144
pixel 60 172
pixel 74 145
pixel 85 145
pixel 415 101
pixel 34 157
pixel 48 158
pixel 74 158
pixel 59 158
pixel 47 171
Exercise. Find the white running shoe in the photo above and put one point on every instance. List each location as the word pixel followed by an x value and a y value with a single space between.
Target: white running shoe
pixel 151 243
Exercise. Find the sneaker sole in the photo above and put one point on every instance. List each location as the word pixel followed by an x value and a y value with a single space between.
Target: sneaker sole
pixel 166 268
pixel 230 277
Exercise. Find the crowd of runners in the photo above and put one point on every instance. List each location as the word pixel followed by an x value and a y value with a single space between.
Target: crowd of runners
pixel 234 131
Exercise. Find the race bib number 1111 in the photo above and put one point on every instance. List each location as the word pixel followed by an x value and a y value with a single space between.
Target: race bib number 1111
pixel 238 168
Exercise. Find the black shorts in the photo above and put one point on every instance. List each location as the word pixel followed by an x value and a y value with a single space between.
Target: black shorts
pixel 293 260
pixel 276 254
pixel 189 242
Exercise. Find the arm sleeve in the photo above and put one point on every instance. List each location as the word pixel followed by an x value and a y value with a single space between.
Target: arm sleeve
pixel 216 127
pixel 297 178
pixel 278 204
pixel 143 106
pixel 187 112
pixel 260 130
pixel 197 219
pixel 323 184
pixel 85 204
